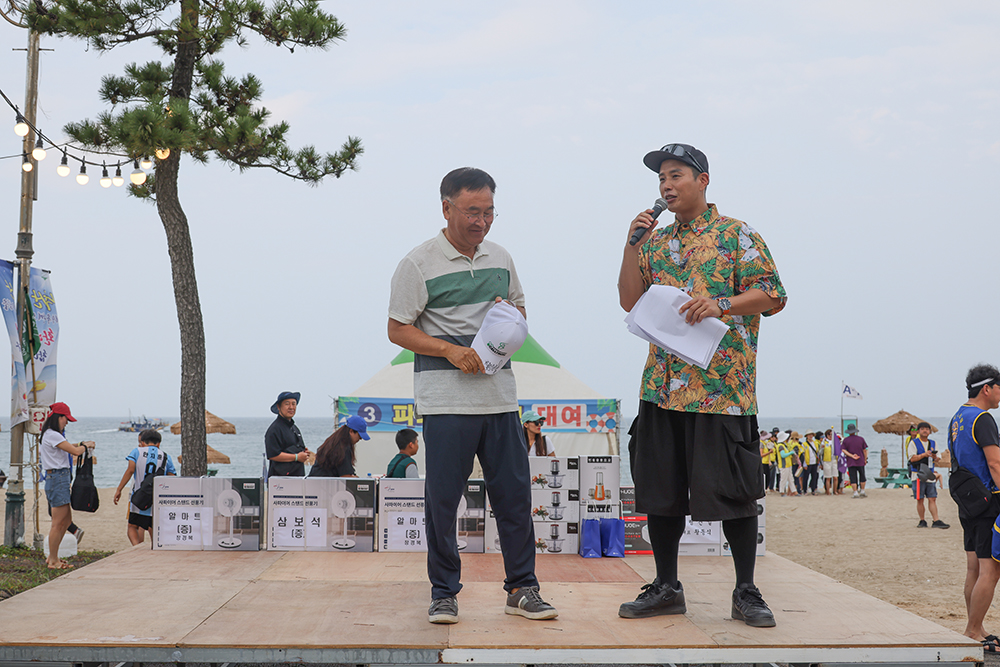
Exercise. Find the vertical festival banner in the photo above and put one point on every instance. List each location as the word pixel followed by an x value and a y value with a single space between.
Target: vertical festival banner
pixel 34 382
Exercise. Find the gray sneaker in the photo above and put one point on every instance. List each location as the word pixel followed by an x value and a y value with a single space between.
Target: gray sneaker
pixel 528 602
pixel 443 610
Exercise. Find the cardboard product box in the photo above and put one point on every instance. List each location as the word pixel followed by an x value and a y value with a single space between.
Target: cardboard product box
pixel 401 516
pixel 700 538
pixel 549 505
pixel 321 514
pixel 627 494
pixel 207 514
pixel 702 532
pixel 551 537
pixel 761 543
pixel 699 549
pixel 472 522
pixel 637 535
pixel 594 510
pixel 554 472
pixel 178 508
pixel 600 479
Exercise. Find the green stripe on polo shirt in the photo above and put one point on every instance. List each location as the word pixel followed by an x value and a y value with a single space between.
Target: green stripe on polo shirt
pixel 461 288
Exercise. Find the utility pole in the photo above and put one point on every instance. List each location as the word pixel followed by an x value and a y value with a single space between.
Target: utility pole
pixel 14 517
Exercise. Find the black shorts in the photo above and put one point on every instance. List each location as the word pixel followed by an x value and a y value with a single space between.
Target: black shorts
pixel 705 465
pixel 141 520
pixel 856 474
pixel 978 535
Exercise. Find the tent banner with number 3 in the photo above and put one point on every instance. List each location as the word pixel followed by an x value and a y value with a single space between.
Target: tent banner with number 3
pixel 566 416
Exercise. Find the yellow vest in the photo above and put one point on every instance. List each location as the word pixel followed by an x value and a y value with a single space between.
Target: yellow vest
pixel 785 461
pixel 807 451
pixel 827 451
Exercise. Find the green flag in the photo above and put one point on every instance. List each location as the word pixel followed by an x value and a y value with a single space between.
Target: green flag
pixel 30 342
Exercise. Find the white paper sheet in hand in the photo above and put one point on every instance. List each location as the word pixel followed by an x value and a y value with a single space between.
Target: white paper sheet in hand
pixel 655 319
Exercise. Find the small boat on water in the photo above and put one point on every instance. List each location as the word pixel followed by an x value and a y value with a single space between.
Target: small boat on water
pixel 143 424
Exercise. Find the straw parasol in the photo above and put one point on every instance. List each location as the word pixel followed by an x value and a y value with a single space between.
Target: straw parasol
pixel 214 456
pixel 213 424
pixel 899 424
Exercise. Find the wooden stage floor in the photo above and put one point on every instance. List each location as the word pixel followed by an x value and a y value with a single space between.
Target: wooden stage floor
pixel 201 607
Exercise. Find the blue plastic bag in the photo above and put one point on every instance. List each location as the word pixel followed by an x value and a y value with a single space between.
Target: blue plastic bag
pixel 613 538
pixel 590 538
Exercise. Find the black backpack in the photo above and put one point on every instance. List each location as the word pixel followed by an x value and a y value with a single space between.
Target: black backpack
pixel 142 497
pixel 84 497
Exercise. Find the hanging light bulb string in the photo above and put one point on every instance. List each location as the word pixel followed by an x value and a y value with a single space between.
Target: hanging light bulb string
pixel 39 153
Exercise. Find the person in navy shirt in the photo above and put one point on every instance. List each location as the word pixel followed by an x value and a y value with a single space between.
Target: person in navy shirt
pixel 975 446
pixel 283 442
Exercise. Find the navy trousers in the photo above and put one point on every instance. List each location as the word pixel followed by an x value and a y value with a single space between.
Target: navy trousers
pixel 450 443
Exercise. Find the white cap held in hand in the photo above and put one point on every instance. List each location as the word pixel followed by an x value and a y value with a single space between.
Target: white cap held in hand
pixel 501 335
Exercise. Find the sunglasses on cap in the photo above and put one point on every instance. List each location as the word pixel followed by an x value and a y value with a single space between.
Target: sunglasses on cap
pixel 681 151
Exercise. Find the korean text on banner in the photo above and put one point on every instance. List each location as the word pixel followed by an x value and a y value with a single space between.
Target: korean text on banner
pixel 37 382
pixel 561 416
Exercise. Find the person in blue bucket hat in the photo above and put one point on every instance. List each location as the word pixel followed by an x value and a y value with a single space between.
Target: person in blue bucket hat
pixel 283 442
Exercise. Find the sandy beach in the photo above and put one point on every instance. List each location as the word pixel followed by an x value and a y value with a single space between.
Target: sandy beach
pixel 871 544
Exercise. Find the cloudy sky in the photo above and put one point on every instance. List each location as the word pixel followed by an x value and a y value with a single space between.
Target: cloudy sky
pixel 860 139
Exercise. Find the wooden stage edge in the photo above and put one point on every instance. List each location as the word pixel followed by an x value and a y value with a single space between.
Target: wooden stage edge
pixel 371 608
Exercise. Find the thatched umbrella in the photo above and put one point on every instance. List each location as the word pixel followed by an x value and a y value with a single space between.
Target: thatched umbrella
pixel 900 424
pixel 213 424
pixel 214 456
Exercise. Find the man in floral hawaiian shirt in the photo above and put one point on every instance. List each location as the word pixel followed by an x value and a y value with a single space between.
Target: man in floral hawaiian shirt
pixel 695 447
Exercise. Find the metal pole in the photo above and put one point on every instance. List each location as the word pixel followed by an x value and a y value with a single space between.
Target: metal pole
pixel 14 517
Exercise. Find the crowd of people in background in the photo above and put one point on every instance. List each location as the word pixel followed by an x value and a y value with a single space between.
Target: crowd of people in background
pixel 796 464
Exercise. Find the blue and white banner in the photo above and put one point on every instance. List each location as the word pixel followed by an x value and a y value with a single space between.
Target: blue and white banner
pixel 35 384
pixel 566 416
pixel 850 392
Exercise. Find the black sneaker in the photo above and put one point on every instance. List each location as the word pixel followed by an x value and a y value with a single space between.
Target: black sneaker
pixel 656 599
pixel 922 524
pixel 936 524
pixel 443 610
pixel 528 602
pixel 749 607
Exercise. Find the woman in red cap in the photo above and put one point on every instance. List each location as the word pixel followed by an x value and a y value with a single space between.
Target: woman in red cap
pixel 57 462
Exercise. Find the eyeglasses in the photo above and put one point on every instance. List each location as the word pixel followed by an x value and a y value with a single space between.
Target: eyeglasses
pixel 680 151
pixel 488 215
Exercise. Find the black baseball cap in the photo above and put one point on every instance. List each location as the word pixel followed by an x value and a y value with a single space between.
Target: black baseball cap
pixel 685 153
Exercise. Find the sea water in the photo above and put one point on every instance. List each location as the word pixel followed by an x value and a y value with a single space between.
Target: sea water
pixel 246 448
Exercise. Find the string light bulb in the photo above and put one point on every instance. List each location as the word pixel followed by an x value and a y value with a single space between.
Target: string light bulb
pixel 39 152
pixel 21 126
pixel 63 168
pixel 162 153
pixel 82 177
pixel 138 176
pixel 26 164
pixel 105 179
pixel 145 163
pixel 118 180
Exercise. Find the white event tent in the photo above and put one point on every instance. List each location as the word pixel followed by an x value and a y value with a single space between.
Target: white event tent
pixel 579 421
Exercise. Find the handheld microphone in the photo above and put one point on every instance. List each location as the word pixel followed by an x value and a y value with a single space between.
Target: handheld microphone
pixel 658 207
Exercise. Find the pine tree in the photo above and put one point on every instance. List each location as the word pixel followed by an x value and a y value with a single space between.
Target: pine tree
pixel 188 105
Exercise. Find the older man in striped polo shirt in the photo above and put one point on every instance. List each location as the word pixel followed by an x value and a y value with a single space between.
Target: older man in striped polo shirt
pixel 441 292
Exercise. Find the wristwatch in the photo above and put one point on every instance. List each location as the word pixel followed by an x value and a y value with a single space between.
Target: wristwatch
pixel 724 305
